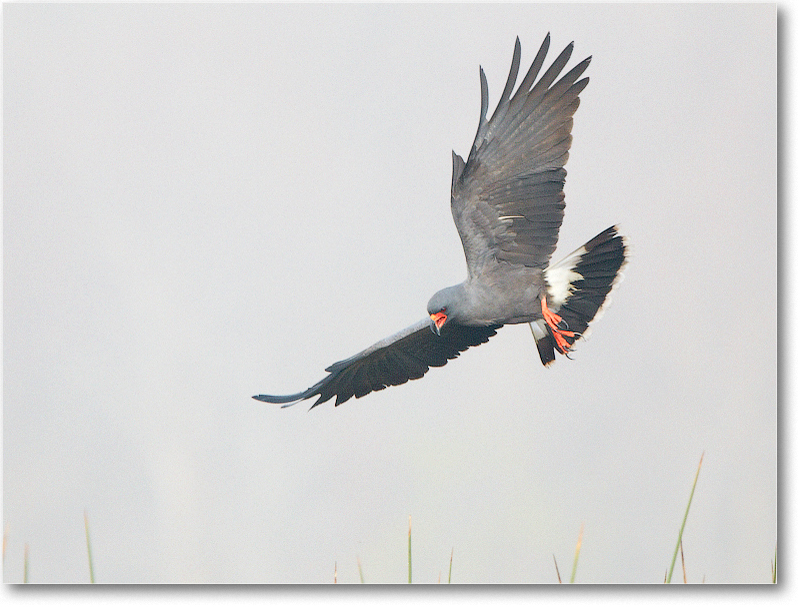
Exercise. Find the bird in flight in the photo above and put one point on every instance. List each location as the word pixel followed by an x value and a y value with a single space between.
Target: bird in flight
pixel 507 202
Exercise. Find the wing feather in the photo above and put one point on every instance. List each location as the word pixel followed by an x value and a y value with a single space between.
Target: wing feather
pixel 508 198
pixel 390 362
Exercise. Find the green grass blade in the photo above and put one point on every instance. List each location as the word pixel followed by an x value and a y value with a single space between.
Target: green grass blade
pixel 577 553
pixel 409 548
pixel 88 547
pixel 685 516
pixel 25 570
pixel 450 573
pixel 360 573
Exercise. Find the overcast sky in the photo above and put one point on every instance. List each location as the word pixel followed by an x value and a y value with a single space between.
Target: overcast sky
pixel 203 202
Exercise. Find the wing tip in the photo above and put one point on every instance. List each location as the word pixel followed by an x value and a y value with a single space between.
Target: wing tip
pixel 284 401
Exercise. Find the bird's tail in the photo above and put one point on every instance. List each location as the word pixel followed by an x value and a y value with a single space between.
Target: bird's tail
pixel 578 290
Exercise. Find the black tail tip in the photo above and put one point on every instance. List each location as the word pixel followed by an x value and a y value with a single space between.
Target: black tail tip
pixel 547 350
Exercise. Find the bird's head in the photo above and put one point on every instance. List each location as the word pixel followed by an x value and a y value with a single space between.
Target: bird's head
pixel 444 307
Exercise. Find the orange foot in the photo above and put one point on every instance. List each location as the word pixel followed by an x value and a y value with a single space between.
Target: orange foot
pixel 555 322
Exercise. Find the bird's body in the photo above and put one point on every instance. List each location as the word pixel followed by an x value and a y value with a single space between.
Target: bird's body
pixel 507 202
pixel 522 287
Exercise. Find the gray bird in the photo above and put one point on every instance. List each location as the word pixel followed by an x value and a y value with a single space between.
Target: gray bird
pixel 507 202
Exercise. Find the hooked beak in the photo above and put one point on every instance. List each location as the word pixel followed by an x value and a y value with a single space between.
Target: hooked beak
pixel 437 321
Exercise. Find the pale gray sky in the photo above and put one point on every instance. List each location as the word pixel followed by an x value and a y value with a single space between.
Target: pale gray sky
pixel 207 202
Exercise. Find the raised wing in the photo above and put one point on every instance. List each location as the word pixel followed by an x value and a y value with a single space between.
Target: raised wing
pixel 508 199
pixel 390 362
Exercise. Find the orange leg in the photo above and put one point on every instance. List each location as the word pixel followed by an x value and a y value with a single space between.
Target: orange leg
pixel 553 320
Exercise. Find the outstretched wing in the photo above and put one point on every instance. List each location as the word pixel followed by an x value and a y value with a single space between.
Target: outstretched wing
pixel 508 199
pixel 390 362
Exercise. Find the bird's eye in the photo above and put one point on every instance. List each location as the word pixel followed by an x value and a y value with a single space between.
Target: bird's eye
pixel 443 309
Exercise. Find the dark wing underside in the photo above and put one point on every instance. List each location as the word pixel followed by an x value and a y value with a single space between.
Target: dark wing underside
pixel 390 362
pixel 508 199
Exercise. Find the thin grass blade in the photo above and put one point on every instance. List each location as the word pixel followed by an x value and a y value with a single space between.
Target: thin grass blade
pixel 450 573
pixel 577 554
pixel 683 565
pixel 775 566
pixel 409 548
pixel 685 516
pixel 25 570
pixel 88 547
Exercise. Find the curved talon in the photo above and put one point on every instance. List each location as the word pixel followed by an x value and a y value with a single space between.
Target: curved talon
pixel 555 322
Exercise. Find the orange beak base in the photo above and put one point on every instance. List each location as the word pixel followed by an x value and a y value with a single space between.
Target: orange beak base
pixel 439 318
